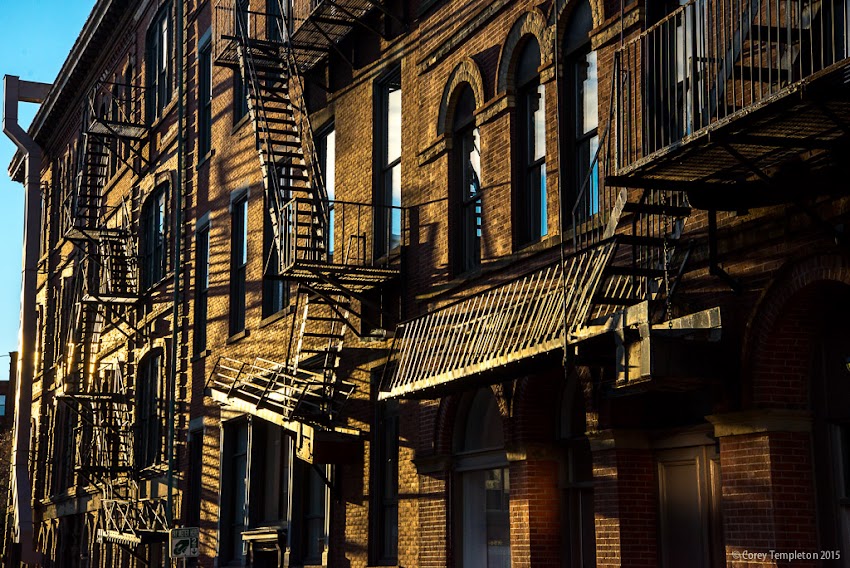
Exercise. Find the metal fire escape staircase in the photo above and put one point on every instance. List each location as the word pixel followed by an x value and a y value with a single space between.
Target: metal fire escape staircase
pixel 105 287
pixel 623 254
pixel 305 389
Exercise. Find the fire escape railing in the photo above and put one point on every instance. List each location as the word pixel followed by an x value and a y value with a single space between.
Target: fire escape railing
pixel 713 60
pixel 512 321
pixel 367 230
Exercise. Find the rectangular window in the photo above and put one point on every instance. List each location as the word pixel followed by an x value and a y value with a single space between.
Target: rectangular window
pixel 326 149
pixel 534 224
pixel 202 286
pixel 204 100
pixel 277 22
pixel 159 50
pixel 388 167
pixel 314 514
pixel 150 410
pixel 238 263
pixel 234 483
pixel 153 242
pixel 2 405
pixel 255 462
pixel 240 97
pixel 275 289
pixel 196 466
pixel 384 518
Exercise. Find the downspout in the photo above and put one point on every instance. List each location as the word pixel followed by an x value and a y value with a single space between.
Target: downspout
pixel 178 240
pixel 15 91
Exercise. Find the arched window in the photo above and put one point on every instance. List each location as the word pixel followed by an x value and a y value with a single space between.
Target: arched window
pixel 582 118
pixel 150 410
pixel 532 212
pixel 484 482
pixel 466 183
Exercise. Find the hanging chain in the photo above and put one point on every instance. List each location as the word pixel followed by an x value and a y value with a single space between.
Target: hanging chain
pixel 668 305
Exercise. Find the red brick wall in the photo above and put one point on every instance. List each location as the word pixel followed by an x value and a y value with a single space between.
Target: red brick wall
pixel 626 504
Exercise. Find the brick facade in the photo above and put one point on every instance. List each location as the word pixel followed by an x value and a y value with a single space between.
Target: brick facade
pixel 723 451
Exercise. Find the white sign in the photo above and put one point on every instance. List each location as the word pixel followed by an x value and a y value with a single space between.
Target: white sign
pixel 183 543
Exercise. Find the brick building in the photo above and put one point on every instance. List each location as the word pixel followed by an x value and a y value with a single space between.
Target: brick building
pixel 436 283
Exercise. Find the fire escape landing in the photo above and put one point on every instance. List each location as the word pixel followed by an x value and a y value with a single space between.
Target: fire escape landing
pixel 740 108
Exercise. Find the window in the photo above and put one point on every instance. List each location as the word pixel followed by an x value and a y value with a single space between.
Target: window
pixel 2 405
pixel 278 22
pixel 311 533
pixel 255 462
pixel 326 150
pixel 576 482
pixel 234 484
pixel 195 477
pixel 240 97
pixel 202 285
pixel 583 118
pixel 532 213
pixel 159 48
pixel 466 182
pixel 153 241
pixel 384 518
pixel 484 482
pixel 238 261
pixel 204 100
pixel 388 167
pixel 150 410
pixel 275 289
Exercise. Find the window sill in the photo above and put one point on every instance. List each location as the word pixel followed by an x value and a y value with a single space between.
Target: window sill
pixel 237 337
pixel 202 355
pixel 239 124
pixel 203 161
pixel 279 315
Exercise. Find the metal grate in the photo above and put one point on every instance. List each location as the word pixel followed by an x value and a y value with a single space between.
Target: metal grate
pixel 510 322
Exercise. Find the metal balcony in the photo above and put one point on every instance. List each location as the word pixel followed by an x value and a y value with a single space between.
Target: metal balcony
pixel 511 322
pixel 133 521
pixel 725 92
pixel 276 392
pixel 310 36
pixel 356 247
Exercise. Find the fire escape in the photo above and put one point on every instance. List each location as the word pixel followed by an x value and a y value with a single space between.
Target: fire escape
pixel 103 290
pixel 721 105
pixel 326 246
pixel 616 277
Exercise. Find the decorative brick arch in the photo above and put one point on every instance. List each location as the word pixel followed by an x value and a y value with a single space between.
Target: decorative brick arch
pixel 597 11
pixel 452 408
pixel 791 294
pixel 531 23
pixel 468 72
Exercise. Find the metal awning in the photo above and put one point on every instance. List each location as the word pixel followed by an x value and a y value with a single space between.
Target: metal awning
pixel 513 321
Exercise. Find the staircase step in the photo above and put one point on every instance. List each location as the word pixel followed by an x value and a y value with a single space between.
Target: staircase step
pixel 616 270
pixel 769 33
pixel 640 240
pixel 614 301
pixel 751 73
pixel 323 335
pixel 657 209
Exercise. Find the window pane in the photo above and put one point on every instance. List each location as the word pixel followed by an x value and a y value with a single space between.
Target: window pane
pixel 393 124
pixel 395 237
pixel 589 102
pixel 538 123
pixel 497 503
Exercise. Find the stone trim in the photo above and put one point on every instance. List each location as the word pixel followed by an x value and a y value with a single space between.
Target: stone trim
pixel 530 23
pixel 760 421
pixel 436 149
pixel 467 71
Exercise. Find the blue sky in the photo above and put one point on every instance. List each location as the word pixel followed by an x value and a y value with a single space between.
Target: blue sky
pixel 37 36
